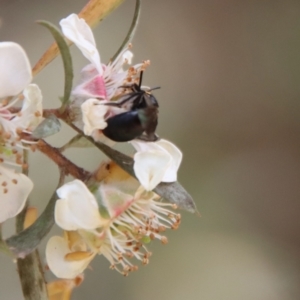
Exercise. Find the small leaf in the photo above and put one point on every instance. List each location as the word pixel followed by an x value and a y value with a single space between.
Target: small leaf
pixel 132 29
pixel 77 141
pixel 66 57
pixel 47 127
pixel 26 241
pixel 175 193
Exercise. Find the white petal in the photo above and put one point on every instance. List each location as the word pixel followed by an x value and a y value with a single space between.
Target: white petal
pixel 164 146
pixel 79 32
pixel 176 154
pixel 150 167
pixel 32 110
pixel 64 217
pixel 56 249
pixel 15 70
pixel 79 209
pixel 93 113
pixel 15 188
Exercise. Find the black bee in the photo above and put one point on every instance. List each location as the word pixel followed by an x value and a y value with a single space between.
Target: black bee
pixel 139 121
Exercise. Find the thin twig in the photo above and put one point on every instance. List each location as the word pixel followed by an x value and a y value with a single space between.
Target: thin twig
pixel 93 12
pixel 30 268
pixel 62 162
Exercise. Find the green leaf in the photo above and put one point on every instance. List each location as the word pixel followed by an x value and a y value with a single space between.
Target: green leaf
pixel 66 57
pixel 47 127
pixel 26 241
pixel 78 141
pixel 175 193
pixel 132 29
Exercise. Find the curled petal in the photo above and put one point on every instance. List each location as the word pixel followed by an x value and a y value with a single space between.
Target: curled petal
pixel 150 167
pixel 79 32
pixel 56 251
pixel 176 154
pixel 64 217
pixel 15 70
pixel 77 207
pixel 15 188
pixel 93 113
pixel 167 147
pixel 32 111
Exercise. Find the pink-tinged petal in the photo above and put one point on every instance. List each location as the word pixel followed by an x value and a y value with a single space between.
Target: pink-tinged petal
pixel 15 70
pixel 14 191
pixel 93 113
pixel 79 32
pixel 32 111
pixel 88 72
pixel 150 167
pixel 56 250
pixel 93 88
pixel 114 200
pixel 176 154
pixel 80 204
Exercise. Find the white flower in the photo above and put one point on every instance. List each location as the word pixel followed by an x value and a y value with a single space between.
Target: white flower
pixel 93 113
pixel 15 76
pixel 156 162
pixel 128 218
pixel 15 70
pixel 98 80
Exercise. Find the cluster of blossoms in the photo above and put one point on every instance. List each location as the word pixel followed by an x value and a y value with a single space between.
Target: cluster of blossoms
pixel 112 214
pixel 116 219
pixel 15 89
pixel 117 216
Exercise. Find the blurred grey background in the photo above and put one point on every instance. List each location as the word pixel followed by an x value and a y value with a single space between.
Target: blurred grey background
pixel 230 99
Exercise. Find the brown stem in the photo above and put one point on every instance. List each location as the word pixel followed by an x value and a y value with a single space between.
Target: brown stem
pixel 30 268
pixel 62 162
pixel 32 277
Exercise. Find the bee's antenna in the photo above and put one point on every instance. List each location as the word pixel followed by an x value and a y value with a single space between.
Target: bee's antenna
pixel 155 88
